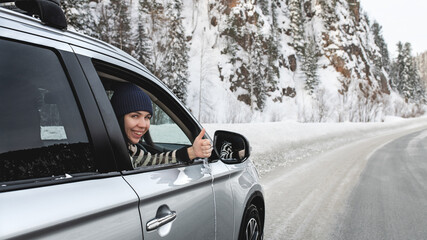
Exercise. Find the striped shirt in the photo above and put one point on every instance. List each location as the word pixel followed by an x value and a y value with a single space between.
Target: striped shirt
pixel 141 157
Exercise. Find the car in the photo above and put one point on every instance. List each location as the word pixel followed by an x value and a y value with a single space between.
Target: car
pixel 65 171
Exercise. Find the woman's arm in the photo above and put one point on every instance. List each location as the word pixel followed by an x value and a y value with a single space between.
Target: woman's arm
pixel 201 148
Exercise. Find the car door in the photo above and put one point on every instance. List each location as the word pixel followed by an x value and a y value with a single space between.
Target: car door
pixel 58 178
pixel 175 203
pixel 175 200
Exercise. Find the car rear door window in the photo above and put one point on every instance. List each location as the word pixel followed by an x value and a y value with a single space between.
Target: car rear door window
pixel 41 130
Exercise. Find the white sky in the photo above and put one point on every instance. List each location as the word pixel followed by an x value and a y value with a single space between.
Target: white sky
pixel 402 20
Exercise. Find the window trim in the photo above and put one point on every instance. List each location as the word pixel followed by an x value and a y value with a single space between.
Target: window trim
pixel 159 167
pixel 91 116
pixel 114 135
pixel 51 181
pixel 176 111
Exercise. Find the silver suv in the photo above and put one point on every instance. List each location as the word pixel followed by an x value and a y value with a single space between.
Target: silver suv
pixel 65 172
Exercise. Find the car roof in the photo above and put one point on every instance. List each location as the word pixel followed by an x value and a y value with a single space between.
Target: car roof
pixel 15 21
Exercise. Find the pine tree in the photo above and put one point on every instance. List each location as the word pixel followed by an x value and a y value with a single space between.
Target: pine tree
pixel 143 46
pixel 274 24
pixel 309 66
pixel 384 60
pixel 79 16
pixel 297 26
pixel 272 74
pixel 406 77
pixel 154 19
pixel 103 26
pixel 176 60
pixel 121 25
pixel 400 78
pixel 257 72
pixel 113 25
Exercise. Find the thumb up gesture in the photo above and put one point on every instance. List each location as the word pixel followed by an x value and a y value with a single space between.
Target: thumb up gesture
pixel 201 148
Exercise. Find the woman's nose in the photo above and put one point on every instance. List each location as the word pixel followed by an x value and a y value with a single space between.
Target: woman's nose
pixel 142 123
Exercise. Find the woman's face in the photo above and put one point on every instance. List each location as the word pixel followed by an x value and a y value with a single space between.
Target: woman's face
pixel 136 124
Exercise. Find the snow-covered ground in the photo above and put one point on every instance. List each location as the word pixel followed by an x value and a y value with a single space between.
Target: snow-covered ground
pixel 277 144
pixel 308 170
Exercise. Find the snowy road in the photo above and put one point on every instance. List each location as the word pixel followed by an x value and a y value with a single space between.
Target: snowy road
pixel 309 171
pixel 390 201
pixel 307 200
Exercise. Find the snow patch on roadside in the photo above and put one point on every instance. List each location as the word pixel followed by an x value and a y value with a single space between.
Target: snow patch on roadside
pixel 281 144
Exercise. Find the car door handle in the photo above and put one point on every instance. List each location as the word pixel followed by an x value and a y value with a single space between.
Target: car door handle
pixel 158 222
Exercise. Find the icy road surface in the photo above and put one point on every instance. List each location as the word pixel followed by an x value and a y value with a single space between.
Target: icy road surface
pixel 309 172
pixel 390 200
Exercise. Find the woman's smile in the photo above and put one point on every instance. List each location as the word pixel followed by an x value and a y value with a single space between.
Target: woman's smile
pixel 136 124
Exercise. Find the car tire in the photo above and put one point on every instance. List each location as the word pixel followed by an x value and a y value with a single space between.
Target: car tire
pixel 251 228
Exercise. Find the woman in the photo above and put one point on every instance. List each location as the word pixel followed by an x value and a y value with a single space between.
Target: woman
pixel 134 110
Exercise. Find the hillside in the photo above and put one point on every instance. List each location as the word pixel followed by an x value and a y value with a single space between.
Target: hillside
pixel 264 60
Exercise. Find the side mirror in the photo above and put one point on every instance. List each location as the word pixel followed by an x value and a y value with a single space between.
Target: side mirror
pixel 231 147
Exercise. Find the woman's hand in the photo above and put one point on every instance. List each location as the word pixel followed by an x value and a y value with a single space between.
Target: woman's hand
pixel 201 148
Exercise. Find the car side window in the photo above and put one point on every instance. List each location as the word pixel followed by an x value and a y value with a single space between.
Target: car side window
pixel 164 130
pixel 167 131
pixel 165 135
pixel 42 134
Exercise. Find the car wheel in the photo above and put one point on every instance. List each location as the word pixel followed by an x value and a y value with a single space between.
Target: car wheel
pixel 251 228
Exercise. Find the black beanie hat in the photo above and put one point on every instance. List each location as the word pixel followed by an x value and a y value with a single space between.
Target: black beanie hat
pixel 129 98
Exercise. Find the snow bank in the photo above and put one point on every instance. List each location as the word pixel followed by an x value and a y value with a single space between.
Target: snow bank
pixel 283 143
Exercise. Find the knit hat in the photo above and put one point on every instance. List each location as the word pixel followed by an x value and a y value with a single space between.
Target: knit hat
pixel 129 98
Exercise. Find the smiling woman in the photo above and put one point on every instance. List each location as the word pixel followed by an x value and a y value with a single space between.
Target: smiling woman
pixel 133 109
pixel 135 106
pixel 136 125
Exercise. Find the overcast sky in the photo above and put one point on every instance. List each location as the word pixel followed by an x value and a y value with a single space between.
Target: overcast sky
pixel 402 20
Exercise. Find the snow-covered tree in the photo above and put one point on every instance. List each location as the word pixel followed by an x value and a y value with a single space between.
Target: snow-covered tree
pixel 406 78
pixel 309 66
pixel 384 60
pixel 175 62
pixel 152 21
pixel 121 27
pixel 143 45
pixel 79 16
pixel 161 43
pixel 113 23
pixel 297 25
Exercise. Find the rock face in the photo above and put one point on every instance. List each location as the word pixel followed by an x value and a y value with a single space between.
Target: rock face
pixel 273 60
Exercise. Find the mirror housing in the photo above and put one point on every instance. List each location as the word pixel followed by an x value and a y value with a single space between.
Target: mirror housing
pixel 231 147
